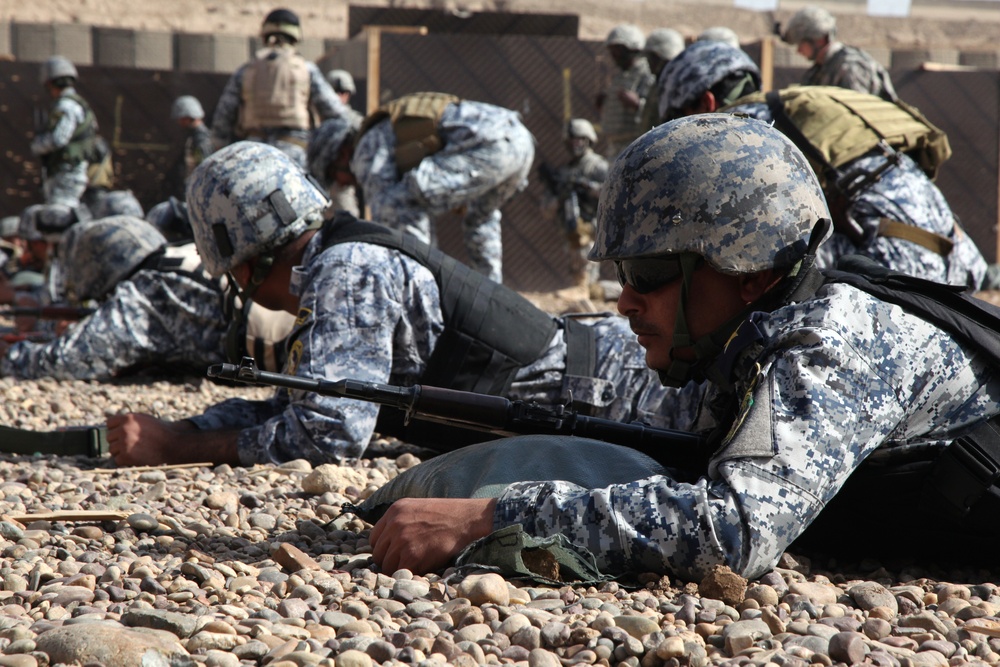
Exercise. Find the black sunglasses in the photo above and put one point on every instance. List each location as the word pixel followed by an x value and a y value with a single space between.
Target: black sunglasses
pixel 648 274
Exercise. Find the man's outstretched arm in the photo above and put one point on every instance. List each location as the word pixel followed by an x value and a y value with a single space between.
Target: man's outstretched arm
pixel 136 439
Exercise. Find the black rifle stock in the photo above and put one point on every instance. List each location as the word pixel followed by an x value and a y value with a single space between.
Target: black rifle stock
pixel 480 412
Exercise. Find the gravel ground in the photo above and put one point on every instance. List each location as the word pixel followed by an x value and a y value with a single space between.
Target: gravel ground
pixel 228 566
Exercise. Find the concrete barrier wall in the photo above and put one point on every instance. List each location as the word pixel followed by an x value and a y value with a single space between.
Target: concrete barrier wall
pixel 117 47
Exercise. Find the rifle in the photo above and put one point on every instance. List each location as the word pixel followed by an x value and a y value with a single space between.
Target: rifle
pixel 481 412
pixel 48 312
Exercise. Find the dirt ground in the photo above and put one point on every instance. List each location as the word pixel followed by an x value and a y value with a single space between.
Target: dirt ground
pixel 933 23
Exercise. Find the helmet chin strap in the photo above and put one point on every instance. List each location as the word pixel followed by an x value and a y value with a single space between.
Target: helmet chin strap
pixel 238 316
pixel 801 281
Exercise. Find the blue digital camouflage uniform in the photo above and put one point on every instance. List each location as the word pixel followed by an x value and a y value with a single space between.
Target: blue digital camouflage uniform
pixel 374 314
pixel 905 194
pixel 485 161
pixel 292 142
pixel 620 125
pixel 66 185
pixel 804 393
pixel 153 318
pixel 850 67
pixel 845 374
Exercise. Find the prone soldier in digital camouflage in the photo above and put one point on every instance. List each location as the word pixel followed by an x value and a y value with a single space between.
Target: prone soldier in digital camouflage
pixel 429 156
pixel 272 97
pixel 576 187
pixel 796 381
pixel 188 113
pixel 812 30
pixel 372 304
pixel 662 46
pixel 899 217
pixel 158 308
pixel 621 104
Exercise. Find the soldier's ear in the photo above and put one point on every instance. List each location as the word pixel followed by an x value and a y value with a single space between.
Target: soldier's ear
pixel 754 285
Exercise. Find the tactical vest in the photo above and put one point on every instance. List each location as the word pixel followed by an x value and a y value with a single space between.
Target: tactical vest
pixel 842 125
pixel 490 331
pixel 275 91
pixel 415 121
pixel 81 144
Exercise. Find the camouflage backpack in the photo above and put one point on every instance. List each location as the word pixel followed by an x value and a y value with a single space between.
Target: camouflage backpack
pixel 415 121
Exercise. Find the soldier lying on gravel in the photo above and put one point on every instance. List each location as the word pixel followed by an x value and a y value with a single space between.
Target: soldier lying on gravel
pixel 713 223
pixel 374 305
pixel 158 307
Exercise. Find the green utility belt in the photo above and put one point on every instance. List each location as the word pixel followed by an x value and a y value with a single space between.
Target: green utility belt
pixel 89 441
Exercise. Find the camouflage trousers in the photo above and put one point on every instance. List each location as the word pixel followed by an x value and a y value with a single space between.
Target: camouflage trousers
pixel 66 185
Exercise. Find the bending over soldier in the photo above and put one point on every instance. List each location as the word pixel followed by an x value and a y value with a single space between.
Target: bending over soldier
pixel 428 156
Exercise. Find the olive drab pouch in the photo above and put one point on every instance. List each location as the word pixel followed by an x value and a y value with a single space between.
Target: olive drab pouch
pixel 415 120
pixel 818 112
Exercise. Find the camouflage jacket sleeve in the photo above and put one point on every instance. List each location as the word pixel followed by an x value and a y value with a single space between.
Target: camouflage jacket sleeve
pixel 153 318
pixel 227 111
pixel 905 194
pixel 68 114
pixel 322 97
pixel 365 312
pixel 840 376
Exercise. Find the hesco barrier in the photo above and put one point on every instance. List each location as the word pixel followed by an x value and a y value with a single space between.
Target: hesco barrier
pixel 545 78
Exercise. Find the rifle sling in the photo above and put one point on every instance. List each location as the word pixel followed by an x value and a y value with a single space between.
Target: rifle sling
pixel 900 230
pixel 89 441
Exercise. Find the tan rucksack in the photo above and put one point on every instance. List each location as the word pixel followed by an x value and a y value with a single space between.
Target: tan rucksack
pixel 415 121
pixel 842 125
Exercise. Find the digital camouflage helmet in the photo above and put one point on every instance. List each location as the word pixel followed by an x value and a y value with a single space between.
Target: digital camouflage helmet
pixel 99 254
pixel 732 192
pixel 247 200
pixel 810 23
pixel 186 106
pixel 697 69
pixel 57 67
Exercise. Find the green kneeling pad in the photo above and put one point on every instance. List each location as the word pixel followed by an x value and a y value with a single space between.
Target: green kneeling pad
pixel 485 469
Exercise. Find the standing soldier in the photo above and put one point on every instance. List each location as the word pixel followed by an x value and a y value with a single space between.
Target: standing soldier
pixel 662 46
pixel 621 104
pixel 189 115
pixel 428 156
pixel 66 140
pixel 811 30
pixel 271 98
pixel 576 187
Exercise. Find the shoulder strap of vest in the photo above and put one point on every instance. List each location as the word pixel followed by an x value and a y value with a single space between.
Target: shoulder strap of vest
pixel 490 331
pixel 970 320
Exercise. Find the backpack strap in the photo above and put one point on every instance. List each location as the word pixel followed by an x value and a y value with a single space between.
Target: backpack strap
pixel 900 230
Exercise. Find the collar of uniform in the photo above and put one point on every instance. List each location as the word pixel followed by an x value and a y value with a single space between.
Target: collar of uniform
pixel 313 248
